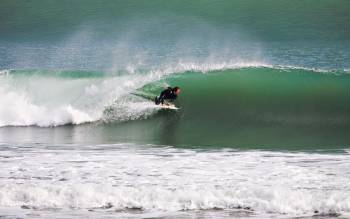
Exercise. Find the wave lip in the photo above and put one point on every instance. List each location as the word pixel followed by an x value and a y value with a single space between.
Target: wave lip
pixel 183 66
pixel 222 66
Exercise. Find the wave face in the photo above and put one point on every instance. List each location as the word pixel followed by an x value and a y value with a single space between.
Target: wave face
pixel 262 105
pixel 225 105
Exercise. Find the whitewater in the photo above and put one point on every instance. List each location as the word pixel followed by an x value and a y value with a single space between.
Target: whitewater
pixel 126 179
pixel 38 97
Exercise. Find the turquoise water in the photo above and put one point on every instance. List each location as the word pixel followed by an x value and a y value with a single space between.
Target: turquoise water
pixel 256 107
pixel 262 129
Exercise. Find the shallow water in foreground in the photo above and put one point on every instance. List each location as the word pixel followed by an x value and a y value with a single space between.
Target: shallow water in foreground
pixel 128 180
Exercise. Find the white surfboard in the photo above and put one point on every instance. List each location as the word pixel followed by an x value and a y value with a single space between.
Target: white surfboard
pixel 168 106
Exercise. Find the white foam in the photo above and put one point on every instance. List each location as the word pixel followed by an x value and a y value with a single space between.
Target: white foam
pixel 18 110
pixel 125 110
pixel 204 66
pixel 4 72
pixel 50 101
pixel 167 179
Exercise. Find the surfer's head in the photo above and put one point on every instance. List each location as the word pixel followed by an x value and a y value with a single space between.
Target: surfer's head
pixel 176 90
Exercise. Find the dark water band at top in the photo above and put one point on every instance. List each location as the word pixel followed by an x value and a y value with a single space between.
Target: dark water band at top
pixel 269 19
pixel 87 34
pixel 264 108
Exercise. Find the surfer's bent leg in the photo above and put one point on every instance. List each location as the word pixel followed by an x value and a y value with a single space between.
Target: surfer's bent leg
pixel 156 100
pixel 159 100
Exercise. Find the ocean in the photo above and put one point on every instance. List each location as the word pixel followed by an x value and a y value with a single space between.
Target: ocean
pixel 263 125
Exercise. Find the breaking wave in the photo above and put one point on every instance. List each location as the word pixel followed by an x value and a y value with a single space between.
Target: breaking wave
pixel 53 98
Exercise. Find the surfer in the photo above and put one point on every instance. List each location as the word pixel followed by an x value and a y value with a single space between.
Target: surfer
pixel 169 94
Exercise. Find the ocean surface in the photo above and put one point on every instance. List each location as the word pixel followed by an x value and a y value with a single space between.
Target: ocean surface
pixel 263 125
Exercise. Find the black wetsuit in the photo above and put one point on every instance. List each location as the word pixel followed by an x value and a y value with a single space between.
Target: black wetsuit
pixel 167 94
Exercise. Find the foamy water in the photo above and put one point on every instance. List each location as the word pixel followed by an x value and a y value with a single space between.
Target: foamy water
pixel 132 180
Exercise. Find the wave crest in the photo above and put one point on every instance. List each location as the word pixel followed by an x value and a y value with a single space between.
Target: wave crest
pixel 45 98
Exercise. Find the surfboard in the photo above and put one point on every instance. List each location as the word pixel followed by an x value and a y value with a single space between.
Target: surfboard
pixel 168 106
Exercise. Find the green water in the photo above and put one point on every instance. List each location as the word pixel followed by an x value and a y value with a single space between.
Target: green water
pixel 257 107
pixel 262 108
